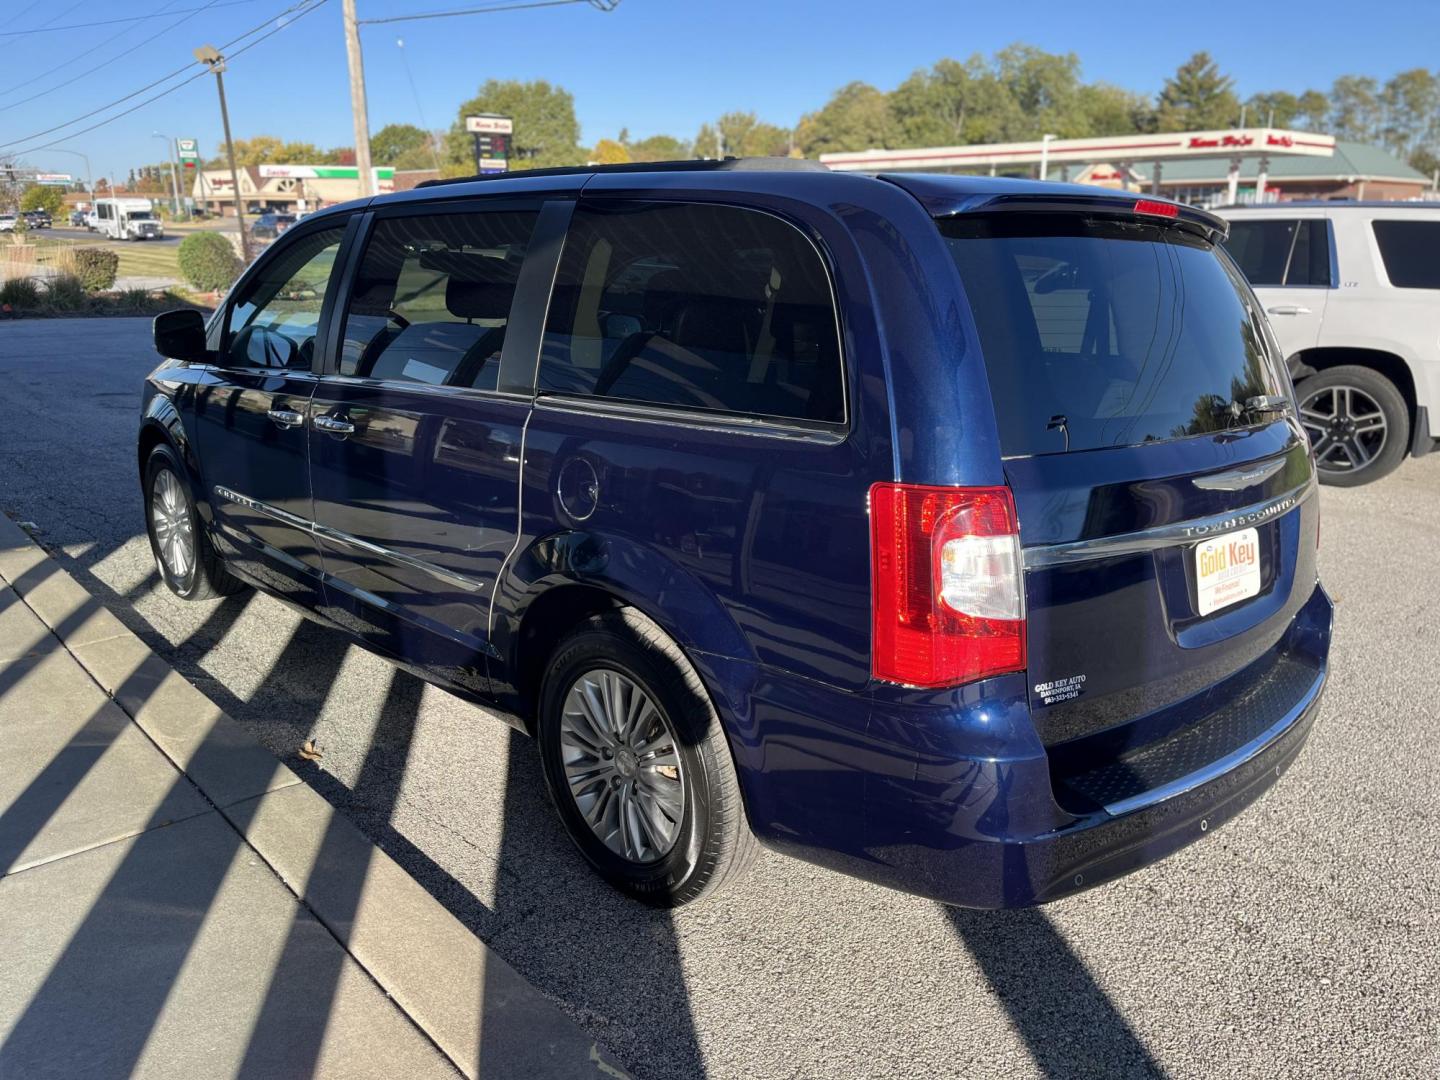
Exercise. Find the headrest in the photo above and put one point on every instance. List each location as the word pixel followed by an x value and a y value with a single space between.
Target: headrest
pixel 478 299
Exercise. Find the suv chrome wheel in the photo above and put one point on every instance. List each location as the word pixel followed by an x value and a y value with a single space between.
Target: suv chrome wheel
pixel 621 765
pixel 170 518
pixel 1346 426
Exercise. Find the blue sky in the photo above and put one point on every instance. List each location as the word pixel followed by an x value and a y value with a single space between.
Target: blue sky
pixel 651 65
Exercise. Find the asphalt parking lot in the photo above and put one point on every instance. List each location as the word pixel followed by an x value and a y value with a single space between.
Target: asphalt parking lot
pixel 1299 940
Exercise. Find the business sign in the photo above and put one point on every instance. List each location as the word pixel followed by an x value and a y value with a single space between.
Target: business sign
pixel 321 172
pixel 187 149
pixel 491 135
pixel 54 179
pixel 489 124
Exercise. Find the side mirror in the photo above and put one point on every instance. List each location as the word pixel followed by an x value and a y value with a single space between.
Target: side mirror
pixel 180 335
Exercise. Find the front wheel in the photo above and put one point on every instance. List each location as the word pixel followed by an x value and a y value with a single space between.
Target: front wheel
pixel 1358 423
pixel 637 763
pixel 187 562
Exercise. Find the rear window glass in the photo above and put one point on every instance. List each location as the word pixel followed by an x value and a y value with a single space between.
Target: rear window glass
pixel 1099 333
pixel 1408 248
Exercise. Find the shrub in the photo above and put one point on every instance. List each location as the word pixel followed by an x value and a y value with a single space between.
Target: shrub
pixel 64 292
pixel 95 267
pixel 20 292
pixel 138 299
pixel 208 261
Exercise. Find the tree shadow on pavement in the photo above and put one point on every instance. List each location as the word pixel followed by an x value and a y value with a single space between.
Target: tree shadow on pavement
pixel 1068 1022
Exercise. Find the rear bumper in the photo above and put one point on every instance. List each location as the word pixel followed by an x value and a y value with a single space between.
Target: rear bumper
pixel 960 807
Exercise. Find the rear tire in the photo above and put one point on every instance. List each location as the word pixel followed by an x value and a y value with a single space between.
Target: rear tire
pixel 667 772
pixel 184 556
pixel 1358 423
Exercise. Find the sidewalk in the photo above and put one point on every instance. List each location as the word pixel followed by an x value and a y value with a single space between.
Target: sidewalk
pixel 174 902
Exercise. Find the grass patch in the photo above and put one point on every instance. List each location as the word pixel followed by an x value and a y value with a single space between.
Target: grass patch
pixel 138 259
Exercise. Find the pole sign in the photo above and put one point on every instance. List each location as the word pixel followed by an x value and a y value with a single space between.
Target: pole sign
pixel 187 149
pixel 491 134
pixel 54 179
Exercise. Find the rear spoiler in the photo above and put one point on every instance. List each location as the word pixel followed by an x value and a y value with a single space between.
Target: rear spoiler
pixel 1063 199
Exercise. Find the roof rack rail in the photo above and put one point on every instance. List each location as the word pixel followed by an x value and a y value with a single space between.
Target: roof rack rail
pixel 729 164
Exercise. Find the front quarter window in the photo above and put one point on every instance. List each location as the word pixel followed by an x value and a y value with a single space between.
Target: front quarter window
pixel 273 321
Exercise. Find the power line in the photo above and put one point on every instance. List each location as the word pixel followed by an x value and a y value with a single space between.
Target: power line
pixel 109 22
pixel 106 63
pixel 602 5
pixel 303 8
pixel 104 42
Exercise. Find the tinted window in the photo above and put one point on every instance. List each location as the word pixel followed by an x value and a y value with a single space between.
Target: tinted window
pixel 274 320
pixel 1262 249
pixel 1409 251
pixel 703 307
pixel 431 298
pixel 1101 334
pixel 1310 258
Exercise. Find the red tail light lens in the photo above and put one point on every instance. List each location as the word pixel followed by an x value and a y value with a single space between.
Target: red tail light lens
pixel 1157 208
pixel 947 598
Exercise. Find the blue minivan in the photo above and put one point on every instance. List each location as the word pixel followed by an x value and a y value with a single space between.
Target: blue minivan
pixel 952 532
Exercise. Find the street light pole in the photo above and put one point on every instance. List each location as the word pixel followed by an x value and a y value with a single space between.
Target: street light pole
pixel 208 55
pixel 174 176
pixel 89 177
pixel 357 100
pixel 1045 155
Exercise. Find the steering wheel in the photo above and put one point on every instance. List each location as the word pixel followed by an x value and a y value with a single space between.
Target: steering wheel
pixel 397 318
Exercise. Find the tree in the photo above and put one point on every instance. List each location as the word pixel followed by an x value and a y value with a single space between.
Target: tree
pixel 1197 96
pixel 1411 104
pixel 655 148
pixel 42 197
pixel 857 117
pixel 955 103
pixel 339 155
pixel 1355 108
pixel 1112 110
pixel 546 131
pixel 1045 87
pixel 267 150
pixel 610 152
pixel 707 142
pixel 404 146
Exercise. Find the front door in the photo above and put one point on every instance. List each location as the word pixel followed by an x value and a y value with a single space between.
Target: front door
pixel 414 450
pixel 251 412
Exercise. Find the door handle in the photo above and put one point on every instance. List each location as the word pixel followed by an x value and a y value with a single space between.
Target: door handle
pixel 1288 309
pixel 334 425
pixel 286 418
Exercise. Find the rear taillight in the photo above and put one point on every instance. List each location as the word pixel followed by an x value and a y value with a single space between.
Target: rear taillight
pixel 947 593
pixel 1157 208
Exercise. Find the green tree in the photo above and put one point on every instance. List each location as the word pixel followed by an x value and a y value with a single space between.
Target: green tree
pixel 857 117
pixel 1113 110
pixel 707 142
pixel 404 146
pixel 1197 97
pixel 268 150
pixel 1046 89
pixel 955 103
pixel 546 131
pixel 42 197
pixel 1277 108
pixel 743 134
pixel 1355 109
pixel 1411 104
pixel 655 148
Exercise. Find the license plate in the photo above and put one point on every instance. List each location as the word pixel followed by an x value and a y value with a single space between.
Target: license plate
pixel 1227 569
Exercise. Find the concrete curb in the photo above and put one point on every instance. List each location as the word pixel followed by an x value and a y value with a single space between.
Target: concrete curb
pixel 476 1008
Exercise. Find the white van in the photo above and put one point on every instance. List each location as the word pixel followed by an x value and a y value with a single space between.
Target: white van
pixel 127 219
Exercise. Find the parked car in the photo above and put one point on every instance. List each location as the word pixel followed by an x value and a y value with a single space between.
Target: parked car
pixel 1353 293
pixel 77 219
pixel 953 532
pixel 269 226
pixel 7 222
pixel 38 219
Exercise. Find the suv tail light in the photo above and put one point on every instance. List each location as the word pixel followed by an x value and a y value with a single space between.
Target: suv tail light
pixel 947 596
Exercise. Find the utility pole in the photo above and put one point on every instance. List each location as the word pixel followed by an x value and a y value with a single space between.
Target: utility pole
pixel 174 175
pixel 357 100
pixel 210 56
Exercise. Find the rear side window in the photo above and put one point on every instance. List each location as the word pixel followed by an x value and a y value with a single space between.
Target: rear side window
pixel 694 306
pixel 1100 333
pixel 1281 252
pixel 431 299
pixel 1408 249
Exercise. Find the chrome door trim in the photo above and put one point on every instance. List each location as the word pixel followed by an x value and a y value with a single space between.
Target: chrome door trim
pixel 1042 556
pixel 335 535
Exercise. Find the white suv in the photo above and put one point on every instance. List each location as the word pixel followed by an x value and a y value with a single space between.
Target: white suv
pixel 1353 293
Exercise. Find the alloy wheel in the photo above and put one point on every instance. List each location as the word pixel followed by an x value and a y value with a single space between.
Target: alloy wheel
pixel 622 765
pixel 170 518
pixel 1346 426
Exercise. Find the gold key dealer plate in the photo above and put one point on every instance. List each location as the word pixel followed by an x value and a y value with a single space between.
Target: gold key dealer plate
pixel 1227 569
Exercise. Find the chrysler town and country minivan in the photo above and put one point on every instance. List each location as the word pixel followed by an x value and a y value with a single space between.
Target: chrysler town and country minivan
pixel 955 533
